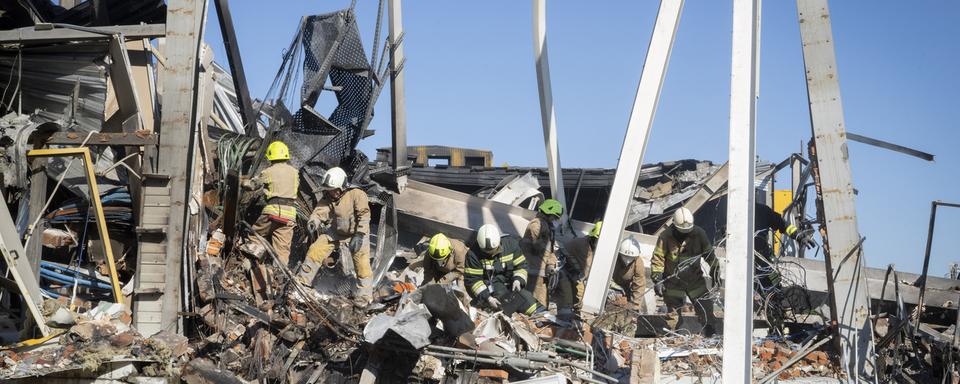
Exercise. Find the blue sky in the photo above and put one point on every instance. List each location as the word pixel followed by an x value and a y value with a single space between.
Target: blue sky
pixel 471 82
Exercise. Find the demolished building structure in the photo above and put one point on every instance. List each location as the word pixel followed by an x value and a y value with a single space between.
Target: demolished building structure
pixel 138 261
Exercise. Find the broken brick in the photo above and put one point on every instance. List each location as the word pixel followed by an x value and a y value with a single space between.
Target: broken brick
pixel 494 374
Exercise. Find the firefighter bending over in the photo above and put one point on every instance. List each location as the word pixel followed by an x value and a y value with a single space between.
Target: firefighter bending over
pixel 342 221
pixel 496 273
pixel 538 245
pixel 579 257
pixel 445 260
pixel 676 273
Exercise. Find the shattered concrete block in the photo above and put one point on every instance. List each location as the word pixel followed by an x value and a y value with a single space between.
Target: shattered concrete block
pixel 124 340
pixel 93 330
pixel 429 367
pixel 165 342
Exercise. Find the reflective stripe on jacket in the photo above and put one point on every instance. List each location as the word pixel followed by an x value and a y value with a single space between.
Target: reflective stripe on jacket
pixel 506 265
pixel 671 252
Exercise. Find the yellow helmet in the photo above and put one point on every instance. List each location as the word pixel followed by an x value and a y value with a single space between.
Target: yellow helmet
pixel 595 232
pixel 439 248
pixel 278 151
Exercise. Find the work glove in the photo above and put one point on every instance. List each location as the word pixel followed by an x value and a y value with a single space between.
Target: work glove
pixel 715 275
pixel 356 242
pixel 517 286
pixel 494 303
pixel 550 269
pixel 805 238
pixel 313 225
pixel 657 283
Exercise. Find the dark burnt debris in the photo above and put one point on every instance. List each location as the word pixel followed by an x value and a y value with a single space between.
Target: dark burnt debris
pixel 149 238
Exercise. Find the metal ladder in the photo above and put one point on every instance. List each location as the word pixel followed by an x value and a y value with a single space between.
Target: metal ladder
pixel 151 263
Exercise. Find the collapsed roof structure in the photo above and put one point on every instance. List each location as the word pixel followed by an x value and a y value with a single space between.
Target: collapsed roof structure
pixel 138 262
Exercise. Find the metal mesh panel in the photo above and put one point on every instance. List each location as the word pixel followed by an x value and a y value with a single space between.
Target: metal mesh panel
pixel 332 50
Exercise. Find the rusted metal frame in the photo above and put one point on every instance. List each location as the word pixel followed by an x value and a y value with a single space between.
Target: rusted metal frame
pixel 185 20
pixel 836 201
pixel 926 256
pixel 84 154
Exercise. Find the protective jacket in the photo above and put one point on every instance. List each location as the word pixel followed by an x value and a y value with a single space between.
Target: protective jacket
pixel 483 270
pixel 537 245
pixel 579 254
pixel 631 278
pixel 452 268
pixel 347 215
pixel 280 183
pixel 676 253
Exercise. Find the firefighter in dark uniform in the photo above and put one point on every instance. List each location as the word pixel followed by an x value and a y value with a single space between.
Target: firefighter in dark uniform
pixel 496 273
pixel 676 273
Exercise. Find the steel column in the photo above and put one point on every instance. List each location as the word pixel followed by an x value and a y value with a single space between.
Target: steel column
pixel 185 19
pixel 631 154
pixel 398 105
pixel 855 333
pixel 741 193
pixel 245 103
pixel 548 115
pixel 926 256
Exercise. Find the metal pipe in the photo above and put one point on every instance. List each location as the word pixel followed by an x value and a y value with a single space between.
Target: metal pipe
pixel 532 357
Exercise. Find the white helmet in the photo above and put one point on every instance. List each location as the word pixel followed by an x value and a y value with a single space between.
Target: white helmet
pixel 334 178
pixel 488 238
pixel 630 249
pixel 683 220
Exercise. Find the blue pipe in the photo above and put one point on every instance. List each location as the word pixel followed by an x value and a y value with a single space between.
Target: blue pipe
pixel 64 279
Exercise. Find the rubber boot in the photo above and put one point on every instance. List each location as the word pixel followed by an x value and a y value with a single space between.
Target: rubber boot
pixel 308 271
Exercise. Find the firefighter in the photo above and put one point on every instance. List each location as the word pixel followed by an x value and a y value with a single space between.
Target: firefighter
pixel 496 273
pixel 445 260
pixel 538 245
pixel 280 183
pixel 766 276
pixel 579 258
pixel 628 273
pixel 342 221
pixel 676 273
